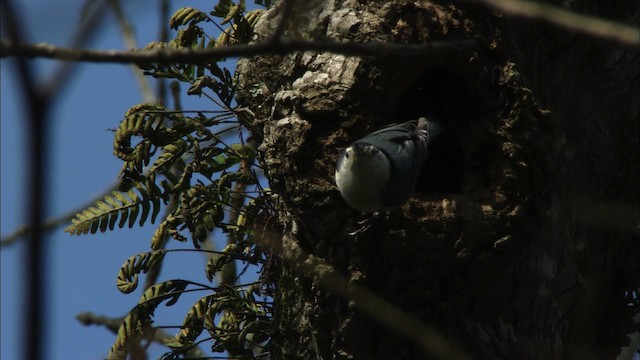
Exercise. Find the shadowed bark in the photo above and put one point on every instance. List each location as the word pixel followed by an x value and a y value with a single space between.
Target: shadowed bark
pixel 521 240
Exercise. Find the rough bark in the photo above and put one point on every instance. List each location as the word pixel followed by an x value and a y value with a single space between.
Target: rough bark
pixel 520 242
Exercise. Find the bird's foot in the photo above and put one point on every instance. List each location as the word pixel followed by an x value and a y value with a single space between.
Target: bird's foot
pixel 366 223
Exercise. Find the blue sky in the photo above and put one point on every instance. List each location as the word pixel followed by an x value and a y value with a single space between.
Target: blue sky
pixel 82 270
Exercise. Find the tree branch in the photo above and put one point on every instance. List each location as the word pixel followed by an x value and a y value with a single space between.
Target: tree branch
pixel 589 25
pixel 113 324
pixel 126 29
pixel 26 230
pixel 52 223
pixel 567 19
pixel 92 19
pixel 281 47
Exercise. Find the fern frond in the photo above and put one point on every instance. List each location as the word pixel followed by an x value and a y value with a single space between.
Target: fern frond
pixel 188 38
pixel 233 12
pixel 139 318
pixel 241 31
pixel 253 16
pixel 129 333
pixel 128 275
pixel 186 16
pixel 169 290
pixel 200 83
pixel 184 181
pixel 193 323
pixel 103 216
pixel 221 9
pixel 162 231
pixel 148 122
pixel 254 332
pixel 216 263
pixel 170 154
pixel 202 210
pixel 139 121
pixel 224 182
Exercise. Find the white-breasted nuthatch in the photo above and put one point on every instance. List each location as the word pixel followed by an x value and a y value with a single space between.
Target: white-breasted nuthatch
pixel 380 170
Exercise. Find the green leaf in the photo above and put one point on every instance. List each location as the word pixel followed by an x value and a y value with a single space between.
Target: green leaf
pixel 139 318
pixel 193 323
pixel 126 206
pixel 127 280
pixel 186 16
pixel 169 290
pixel 170 154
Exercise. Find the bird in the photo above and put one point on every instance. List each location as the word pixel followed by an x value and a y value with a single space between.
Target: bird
pixel 379 172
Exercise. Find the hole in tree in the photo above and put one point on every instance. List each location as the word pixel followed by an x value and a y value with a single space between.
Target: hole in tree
pixel 454 98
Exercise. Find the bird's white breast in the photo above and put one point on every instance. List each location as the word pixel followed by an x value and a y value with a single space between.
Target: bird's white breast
pixel 361 176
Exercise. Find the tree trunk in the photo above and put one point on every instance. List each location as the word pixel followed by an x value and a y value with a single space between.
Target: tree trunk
pixel 522 238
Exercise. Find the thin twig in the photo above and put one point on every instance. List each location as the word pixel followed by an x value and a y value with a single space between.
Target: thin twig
pixel 50 89
pixel 130 42
pixel 52 223
pixel 113 324
pixel 26 230
pixel 228 273
pixel 154 272
pixel 567 19
pixel 282 47
pixel 163 37
pixel 61 76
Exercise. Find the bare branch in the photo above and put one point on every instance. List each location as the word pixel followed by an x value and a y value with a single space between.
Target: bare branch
pixel 92 19
pixel 113 324
pixel 126 29
pixel 49 90
pixel 567 19
pixel 26 230
pixel 52 223
pixel 163 35
pixel 282 47
pixel 589 25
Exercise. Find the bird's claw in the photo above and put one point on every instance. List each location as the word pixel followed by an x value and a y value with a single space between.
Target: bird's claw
pixel 365 224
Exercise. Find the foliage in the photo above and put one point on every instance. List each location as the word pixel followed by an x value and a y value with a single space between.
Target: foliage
pixel 196 166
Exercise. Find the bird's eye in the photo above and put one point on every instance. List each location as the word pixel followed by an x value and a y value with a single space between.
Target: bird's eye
pixel 346 154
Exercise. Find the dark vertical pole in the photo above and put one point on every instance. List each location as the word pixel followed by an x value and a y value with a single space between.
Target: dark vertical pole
pixel 35 261
pixel 35 112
